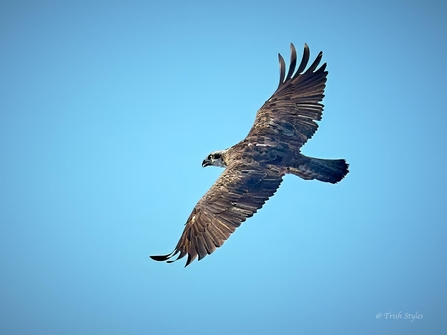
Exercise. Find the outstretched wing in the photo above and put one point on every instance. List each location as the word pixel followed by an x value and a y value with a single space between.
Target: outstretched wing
pixel 238 193
pixel 291 111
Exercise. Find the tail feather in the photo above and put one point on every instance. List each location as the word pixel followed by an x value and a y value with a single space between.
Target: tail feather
pixel 327 170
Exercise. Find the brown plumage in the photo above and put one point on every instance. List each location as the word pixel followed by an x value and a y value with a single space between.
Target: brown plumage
pixel 256 165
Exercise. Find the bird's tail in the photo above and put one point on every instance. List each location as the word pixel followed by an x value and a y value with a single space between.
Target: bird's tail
pixel 327 170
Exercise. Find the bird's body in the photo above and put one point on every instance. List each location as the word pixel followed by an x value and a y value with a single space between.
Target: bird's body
pixel 255 166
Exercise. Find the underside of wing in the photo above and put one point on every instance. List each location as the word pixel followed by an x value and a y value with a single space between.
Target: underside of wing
pixel 238 193
pixel 292 111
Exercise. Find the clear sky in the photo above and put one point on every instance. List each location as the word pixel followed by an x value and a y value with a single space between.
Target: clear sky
pixel 107 109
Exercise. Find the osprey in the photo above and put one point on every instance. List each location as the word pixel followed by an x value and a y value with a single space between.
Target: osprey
pixel 254 167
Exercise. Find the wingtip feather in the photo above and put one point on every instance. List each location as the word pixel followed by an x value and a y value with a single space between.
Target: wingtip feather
pixel 161 258
pixel 282 69
pixel 304 60
pixel 292 62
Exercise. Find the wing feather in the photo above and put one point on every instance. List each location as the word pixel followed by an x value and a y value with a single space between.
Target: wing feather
pixel 292 61
pixel 282 69
pixel 304 60
pixel 233 198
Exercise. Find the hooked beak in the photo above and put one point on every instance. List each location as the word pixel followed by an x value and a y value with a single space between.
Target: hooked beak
pixel 206 162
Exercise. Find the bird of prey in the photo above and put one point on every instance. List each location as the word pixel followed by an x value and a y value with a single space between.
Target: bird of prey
pixel 255 166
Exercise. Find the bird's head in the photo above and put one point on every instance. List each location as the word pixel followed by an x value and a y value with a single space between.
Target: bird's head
pixel 215 158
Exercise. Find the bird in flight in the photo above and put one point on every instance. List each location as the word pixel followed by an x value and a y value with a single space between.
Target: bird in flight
pixel 255 166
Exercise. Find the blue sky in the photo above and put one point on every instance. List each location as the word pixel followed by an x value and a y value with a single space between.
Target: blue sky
pixel 107 109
